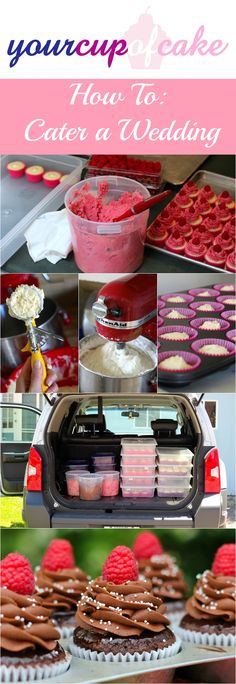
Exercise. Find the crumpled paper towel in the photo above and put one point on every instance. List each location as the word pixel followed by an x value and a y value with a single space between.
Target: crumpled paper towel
pixel 49 237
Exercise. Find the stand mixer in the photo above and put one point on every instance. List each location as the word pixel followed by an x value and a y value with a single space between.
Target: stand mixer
pixel 122 310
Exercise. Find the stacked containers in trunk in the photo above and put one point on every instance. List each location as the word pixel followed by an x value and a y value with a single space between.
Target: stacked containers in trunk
pixel 174 472
pixel 138 467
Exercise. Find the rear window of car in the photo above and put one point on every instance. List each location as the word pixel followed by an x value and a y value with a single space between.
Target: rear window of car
pixel 135 420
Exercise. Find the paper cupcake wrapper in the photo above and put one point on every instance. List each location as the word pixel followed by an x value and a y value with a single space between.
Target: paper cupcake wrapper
pixel 186 313
pixel 196 292
pixel 231 334
pixel 216 306
pixel 161 653
pixel 175 617
pixel 27 673
pixel 227 315
pixel 159 321
pixel 178 329
pixel 190 358
pixel 225 344
pixel 224 325
pixel 66 632
pixel 219 288
pixel 186 297
pixel 206 639
pixel 223 299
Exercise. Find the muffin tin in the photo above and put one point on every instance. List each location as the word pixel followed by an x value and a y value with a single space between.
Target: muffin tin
pixel 219 184
pixel 202 364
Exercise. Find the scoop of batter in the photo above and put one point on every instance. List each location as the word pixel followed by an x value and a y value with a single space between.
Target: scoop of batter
pixel 26 302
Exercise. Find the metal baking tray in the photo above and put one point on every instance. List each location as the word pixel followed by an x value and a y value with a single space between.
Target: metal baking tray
pixel 218 183
pixel 209 364
pixel 87 672
pixel 177 167
pixel 22 202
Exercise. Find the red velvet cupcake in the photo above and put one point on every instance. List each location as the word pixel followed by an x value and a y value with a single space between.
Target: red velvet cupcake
pixel 184 229
pixel 231 262
pixel 225 240
pixel 222 212
pixel 183 199
pixel 202 205
pixel 203 234
pixel 227 198
pixel 176 242
pixel 213 224
pixel 175 210
pixel 157 234
pixel 193 216
pixel 192 189
pixel 207 193
pixel 216 256
pixel 166 218
pixel 195 249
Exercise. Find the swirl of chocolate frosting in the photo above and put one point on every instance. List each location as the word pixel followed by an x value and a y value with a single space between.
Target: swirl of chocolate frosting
pixel 213 597
pixel 127 609
pixel 25 624
pixel 167 579
pixel 62 589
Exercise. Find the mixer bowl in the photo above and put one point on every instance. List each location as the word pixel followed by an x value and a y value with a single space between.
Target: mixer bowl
pixel 91 381
pixel 14 337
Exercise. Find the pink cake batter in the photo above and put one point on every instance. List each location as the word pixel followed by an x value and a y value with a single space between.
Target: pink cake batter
pixel 93 207
pixel 117 249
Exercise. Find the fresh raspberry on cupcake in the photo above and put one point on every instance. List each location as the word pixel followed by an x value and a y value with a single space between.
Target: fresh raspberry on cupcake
pixel 146 545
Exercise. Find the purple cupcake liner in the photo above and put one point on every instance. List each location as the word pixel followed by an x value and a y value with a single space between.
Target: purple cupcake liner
pixel 187 313
pixel 159 321
pixel 227 315
pixel 160 305
pixel 158 345
pixel 219 287
pixel 186 297
pixel 178 328
pixel 197 292
pixel 190 358
pixel 231 334
pixel 223 299
pixel 224 325
pixel 230 346
pixel 215 305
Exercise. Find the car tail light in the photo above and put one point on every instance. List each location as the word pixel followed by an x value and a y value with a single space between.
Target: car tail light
pixel 34 471
pixel 212 472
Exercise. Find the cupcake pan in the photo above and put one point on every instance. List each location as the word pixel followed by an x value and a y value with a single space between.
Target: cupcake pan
pixel 208 364
pixel 87 672
pixel 218 184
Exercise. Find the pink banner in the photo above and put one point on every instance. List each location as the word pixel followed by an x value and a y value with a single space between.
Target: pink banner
pixel 115 116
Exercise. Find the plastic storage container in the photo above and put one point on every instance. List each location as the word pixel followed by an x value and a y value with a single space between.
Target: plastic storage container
pixel 138 445
pixel 138 460
pixel 103 459
pixel 111 483
pixel 136 492
pixel 139 470
pixel 108 247
pixel 166 456
pixel 138 480
pixel 173 482
pixel 182 470
pixel 72 482
pixel 104 468
pixel 167 491
pixel 90 487
pixel 147 171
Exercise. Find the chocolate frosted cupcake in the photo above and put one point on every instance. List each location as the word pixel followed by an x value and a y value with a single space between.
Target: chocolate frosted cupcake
pixel 119 619
pixel 29 640
pixel 168 583
pixel 60 584
pixel 210 616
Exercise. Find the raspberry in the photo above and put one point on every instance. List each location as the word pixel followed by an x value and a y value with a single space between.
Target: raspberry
pixel 224 560
pixel 120 566
pixel 59 555
pixel 17 574
pixel 146 545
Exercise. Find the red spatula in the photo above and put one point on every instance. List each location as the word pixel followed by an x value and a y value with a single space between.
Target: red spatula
pixel 142 206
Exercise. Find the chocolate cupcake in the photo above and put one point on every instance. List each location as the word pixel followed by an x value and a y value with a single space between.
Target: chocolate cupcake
pixel 168 583
pixel 60 584
pixel 119 619
pixel 29 640
pixel 210 611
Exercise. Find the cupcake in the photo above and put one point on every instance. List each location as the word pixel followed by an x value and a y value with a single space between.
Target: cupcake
pixel 119 619
pixel 210 611
pixel 29 640
pixel 146 545
pixel 60 584
pixel 195 249
pixel 168 583
pixel 176 242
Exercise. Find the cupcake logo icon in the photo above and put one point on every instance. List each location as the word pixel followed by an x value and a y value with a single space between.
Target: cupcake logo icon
pixel 143 40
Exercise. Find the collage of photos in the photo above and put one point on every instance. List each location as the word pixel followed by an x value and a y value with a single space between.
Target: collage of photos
pixel 117 471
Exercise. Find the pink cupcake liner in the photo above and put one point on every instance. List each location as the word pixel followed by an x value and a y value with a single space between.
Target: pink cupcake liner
pixel 187 313
pixel 231 334
pixel 219 287
pixel 196 346
pixel 215 305
pixel 224 325
pixel 187 298
pixel 158 345
pixel 197 292
pixel 227 315
pixel 159 321
pixel 190 358
pixel 178 328
pixel 160 304
pixel 223 299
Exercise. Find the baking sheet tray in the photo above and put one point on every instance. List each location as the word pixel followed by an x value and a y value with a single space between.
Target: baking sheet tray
pixel 179 167
pixel 209 364
pixel 22 202
pixel 87 672
pixel 218 183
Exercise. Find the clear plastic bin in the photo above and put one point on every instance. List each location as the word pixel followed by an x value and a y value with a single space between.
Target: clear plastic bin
pixel 73 482
pixel 146 171
pixel 104 468
pixel 104 459
pixel 138 480
pixel 138 445
pixel 108 247
pixel 182 470
pixel 173 482
pixel 90 487
pixel 179 493
pixel 137 492
pixel 168 456
pixel 147 470
pixel 138 460
pixel 111 483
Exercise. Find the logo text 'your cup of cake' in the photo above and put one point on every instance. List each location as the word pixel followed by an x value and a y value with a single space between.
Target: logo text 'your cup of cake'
pixel 148 44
